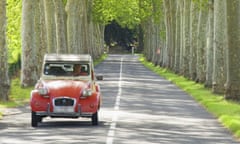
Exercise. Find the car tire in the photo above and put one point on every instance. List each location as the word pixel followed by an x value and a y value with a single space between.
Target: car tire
pixel 95 119
pixel 35 119
pixel 40 119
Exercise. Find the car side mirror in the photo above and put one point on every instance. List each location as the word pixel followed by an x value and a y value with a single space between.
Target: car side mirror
pixel 99 77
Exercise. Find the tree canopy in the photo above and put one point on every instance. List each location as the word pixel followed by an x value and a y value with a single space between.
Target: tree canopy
pixel 127 13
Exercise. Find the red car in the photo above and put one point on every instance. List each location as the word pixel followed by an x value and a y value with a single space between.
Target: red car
pixel 66 89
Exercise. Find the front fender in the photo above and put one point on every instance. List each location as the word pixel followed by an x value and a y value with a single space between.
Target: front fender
pixel 38 102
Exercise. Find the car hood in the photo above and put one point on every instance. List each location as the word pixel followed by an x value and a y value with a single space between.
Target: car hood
pixel 58 88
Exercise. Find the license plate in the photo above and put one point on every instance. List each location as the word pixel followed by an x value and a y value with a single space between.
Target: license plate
pixel 63 109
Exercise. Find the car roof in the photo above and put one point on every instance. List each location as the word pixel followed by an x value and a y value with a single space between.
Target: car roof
pixel 68 57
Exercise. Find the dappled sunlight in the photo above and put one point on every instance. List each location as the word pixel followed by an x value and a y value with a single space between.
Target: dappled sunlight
pixel 146 127
pixel 138 106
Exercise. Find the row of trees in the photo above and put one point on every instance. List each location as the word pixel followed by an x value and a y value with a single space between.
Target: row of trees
pixel 195 38
pixel 56 26
pixel 47 26
pixel 199 39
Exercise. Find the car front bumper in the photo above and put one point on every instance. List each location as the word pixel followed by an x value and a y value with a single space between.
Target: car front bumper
pixel 79 113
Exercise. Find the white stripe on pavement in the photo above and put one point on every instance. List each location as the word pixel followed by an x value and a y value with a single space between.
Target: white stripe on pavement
pixel 111 131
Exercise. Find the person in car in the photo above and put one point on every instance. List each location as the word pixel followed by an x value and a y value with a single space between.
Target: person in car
pixel 78 70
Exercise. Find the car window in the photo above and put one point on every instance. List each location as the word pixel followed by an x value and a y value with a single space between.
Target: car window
pixel 66 69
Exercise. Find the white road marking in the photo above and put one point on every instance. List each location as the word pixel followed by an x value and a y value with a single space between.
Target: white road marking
pixel 111 131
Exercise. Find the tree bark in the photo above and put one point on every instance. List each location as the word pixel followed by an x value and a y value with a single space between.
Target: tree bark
pixel 220 45
pixel 29 63
pixel 39 35
pixel 50 26
pixel 72 9
pixel 233 50
pixel 43 36
pixel 169 7
pixel 60 26
pixel 4 82
pixel 209 53
pixel 193 41
pixel 186 38
pixel 146 39
pixel 201 45
pixel 181 46
pixel 177 38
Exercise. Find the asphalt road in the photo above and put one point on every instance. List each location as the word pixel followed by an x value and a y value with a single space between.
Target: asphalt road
pixel 139 107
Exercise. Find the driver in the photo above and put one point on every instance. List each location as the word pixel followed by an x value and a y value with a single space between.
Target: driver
pixel 77 70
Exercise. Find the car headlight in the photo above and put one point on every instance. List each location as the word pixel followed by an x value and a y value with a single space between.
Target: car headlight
pixel 87 92
pixel 43 91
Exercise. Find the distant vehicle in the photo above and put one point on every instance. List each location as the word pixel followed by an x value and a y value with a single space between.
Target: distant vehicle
pixel 67 89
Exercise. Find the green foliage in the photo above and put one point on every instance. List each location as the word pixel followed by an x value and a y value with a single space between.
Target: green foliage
pixel 202 4
pixel 65 2
pixel 228 112
pixel 14 9
pixel 103 11
pixel 145 9
pixel 158 13
pixel 127 13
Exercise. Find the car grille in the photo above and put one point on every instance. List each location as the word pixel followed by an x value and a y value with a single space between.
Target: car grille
pixel 64 102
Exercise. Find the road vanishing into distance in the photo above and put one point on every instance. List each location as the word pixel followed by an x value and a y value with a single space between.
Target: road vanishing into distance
pixel 139 107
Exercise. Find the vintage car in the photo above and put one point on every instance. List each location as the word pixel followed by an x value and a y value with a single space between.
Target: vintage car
pixel 67 89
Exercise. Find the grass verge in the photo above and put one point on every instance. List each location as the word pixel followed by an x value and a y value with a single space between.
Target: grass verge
pixel 18 96
pixel 100 59
pixel 227 112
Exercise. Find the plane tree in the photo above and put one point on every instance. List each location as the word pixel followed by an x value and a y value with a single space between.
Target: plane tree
pixel 4 82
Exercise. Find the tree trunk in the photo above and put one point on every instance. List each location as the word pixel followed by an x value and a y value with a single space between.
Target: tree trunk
pixel 50 26
pixel 209 69
pixel 177 39
pixel 83 28
pixel 186 38
pixel 146 38
pixel 60 26
pixel 4 82
pixel 233 50
pixel 181 46
pixel 43 36
pixel 39 34
pixel 29 68
pixel 193 41
pixel 72 9
pixel 201 45
pixel 220 45
pixel 99 39
pixel 169 7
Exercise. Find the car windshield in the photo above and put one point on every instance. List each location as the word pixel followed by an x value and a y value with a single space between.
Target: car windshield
pixel 66 69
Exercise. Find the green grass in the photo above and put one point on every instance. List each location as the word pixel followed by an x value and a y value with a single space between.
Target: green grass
pixel 227 112
pixel 100 59
pixel 18 96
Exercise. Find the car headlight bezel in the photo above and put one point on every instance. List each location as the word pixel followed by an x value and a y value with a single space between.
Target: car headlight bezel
pixel 87 92
pixel 43 91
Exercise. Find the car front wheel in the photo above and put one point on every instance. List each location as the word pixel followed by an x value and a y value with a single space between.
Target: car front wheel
pixel 35 119
pixel 95 119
